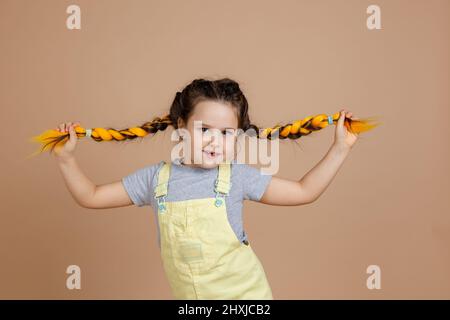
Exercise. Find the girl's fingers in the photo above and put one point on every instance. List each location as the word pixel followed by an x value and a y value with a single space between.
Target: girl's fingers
pixel 72 132
pixel 341 118
pixel 65 126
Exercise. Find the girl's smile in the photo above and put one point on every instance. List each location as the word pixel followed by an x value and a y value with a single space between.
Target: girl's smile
pixel 211 155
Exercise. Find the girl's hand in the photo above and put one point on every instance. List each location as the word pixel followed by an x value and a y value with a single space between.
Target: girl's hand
pixel 343 138
pixel 66 151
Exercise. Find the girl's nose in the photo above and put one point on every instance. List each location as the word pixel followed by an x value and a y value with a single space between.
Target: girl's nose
pixel 214 140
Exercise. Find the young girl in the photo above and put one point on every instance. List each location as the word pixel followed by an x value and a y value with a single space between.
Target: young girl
pixel 205 251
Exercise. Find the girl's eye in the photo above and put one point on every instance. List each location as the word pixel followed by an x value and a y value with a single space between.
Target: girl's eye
pixel 228 132
pixel 225 132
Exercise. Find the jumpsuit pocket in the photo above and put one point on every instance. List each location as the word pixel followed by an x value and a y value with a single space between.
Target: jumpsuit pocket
pixel 218 239
pixel 201 239
pixel 208 239
pixel 193 251
pixel 182 246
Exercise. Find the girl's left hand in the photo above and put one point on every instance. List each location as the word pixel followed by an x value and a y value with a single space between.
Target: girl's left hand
pixel 343 137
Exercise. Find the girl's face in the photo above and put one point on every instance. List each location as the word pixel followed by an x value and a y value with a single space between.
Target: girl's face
pixel 212 129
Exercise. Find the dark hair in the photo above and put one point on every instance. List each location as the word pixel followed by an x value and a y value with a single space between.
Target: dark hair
pixel 223 90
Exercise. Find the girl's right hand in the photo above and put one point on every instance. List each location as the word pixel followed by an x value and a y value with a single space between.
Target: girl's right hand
pixel 66 151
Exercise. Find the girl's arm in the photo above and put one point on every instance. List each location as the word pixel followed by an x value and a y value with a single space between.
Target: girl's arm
pixel 287 192
pixel 82 189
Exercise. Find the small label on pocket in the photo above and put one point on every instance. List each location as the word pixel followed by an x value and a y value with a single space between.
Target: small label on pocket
pixel 191 251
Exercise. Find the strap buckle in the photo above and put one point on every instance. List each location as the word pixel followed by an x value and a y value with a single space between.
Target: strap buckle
pixel 219 199
pixel 161 200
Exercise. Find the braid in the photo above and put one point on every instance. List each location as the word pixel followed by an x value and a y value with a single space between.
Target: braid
pixel 51 138
pixel 309 124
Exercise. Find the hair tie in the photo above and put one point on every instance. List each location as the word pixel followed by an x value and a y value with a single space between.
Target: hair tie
pixel 330 119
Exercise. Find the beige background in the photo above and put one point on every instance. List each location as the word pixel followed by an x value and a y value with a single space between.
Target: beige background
pixel 388 205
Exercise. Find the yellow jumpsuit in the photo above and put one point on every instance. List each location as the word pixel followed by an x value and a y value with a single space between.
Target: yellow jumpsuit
pixel 201 255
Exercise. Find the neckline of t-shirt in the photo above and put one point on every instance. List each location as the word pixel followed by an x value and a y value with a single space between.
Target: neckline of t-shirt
pixel 178 164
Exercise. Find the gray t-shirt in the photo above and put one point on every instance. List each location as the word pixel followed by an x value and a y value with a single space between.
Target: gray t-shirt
pixel 185 183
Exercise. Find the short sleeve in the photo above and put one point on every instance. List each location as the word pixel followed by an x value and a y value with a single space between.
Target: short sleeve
pixel 254 182
pixel 138 185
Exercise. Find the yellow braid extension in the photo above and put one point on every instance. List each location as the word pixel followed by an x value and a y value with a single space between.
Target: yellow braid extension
pixel 314 123
pixel 53 138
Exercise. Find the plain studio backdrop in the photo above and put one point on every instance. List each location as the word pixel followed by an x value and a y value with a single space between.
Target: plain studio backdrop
pixel 388 206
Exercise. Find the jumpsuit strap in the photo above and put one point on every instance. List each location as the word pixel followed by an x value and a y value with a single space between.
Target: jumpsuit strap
pixel 223 182
pixel 163 179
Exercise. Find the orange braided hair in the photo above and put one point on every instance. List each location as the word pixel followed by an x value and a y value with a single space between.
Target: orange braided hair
pixel 52 138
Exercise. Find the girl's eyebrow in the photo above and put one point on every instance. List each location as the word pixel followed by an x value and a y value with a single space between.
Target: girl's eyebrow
pixel 207 125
